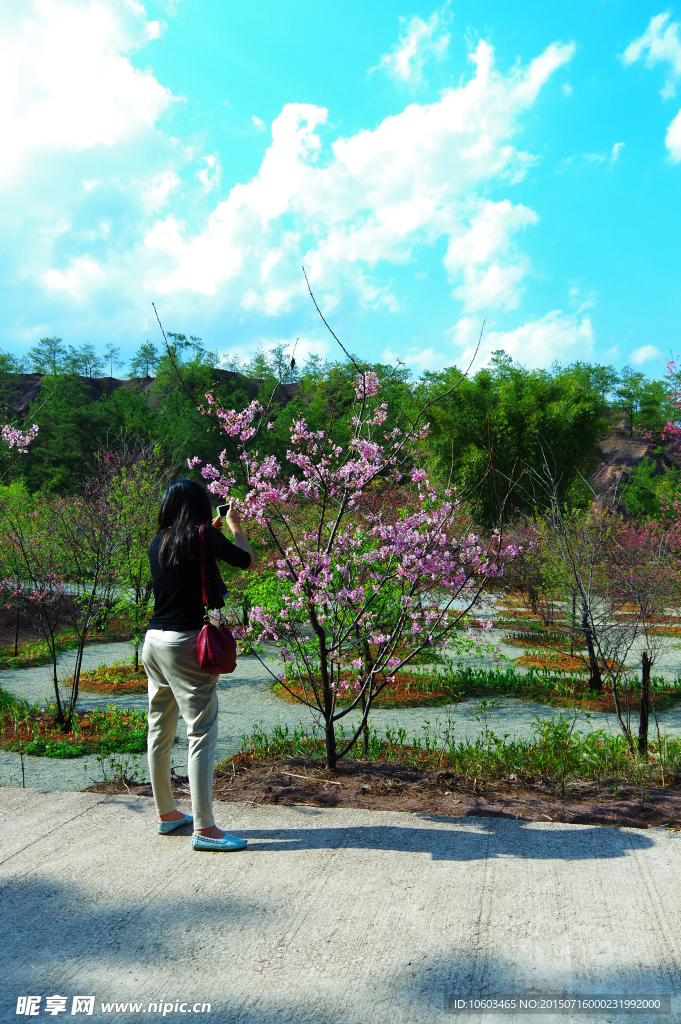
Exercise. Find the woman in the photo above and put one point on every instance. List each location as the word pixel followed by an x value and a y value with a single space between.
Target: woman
pixel 176 682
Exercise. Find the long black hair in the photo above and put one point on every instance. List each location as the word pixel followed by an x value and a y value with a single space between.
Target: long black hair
pixel 184 507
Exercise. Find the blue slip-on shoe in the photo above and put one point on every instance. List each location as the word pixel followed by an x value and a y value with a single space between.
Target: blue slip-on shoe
pixel 164 827
pixel 226 843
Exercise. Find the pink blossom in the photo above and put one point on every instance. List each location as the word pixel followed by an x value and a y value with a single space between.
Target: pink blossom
pixel 366 385
pixel 19 439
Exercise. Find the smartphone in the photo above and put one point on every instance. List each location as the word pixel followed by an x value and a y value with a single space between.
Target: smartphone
pixel 223 510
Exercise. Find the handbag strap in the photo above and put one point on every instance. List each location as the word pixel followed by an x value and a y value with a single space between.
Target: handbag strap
pixel 202 555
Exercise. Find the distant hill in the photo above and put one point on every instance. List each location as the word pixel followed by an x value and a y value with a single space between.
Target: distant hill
pixel 24 388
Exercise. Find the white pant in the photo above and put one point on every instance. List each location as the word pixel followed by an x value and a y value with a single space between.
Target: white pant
pixel 178 685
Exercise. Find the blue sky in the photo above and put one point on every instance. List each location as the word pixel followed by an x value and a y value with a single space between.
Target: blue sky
pixel 431 166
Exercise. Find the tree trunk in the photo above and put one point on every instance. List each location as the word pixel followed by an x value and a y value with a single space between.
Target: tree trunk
pixel 330 738
pixel 51 641
pixel 574 625
pixel 368 665
pixel 595 680
pixel 330 732
pixel 645 706
pixel 365 729
pixel 137 657
pixel 16 636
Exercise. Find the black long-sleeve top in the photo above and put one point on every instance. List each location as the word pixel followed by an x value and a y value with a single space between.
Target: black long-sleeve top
pixel 177 588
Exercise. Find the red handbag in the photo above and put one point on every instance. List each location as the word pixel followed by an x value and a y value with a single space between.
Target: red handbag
pixel 216 647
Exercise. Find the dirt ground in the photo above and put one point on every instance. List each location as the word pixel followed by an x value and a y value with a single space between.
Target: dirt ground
pixel 26 635
pixel 379 786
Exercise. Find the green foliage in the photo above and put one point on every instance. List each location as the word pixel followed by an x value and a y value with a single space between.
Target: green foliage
pixel 15 496
pixel 500 429
pixel 145 361
pixel 136 494
pixel 495 434
pixel 655 407
pixel 558 750
pixel 115 769
pixel 48 356
pixel 178 427
pixel 640 495
pixel 629 393
pixel 84 361
pixel 107 731
pixel 602 379
pixel 72 428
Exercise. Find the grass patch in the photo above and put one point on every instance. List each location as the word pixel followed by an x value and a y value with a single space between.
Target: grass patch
pixel 541 684
pixel 30 729
pixel 541 657
pixel 115 679
pixel 536 638
pixel 558 752
pixel 561 689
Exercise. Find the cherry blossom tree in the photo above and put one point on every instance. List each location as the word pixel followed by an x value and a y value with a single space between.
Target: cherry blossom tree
pixel 374 562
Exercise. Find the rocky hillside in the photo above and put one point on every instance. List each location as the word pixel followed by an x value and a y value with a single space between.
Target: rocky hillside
pixel 621 455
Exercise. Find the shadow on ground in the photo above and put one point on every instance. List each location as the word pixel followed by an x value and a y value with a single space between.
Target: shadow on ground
pixel 457 843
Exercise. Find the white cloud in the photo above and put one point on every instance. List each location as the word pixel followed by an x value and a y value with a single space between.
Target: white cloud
pixel 661 44
pixel 210 175
pixel 673 138
pixel 347 210
pixel 592 158
pixel 478 255
pixel 157 192
pixel 418 41
pixel 65 82
pixel 260 125
pixel 83 276
pixel 567 89
pixel 579 300
pixel 559 336
pixel 643 354
pixel 556 336
pixel 418 359
pixel 375 197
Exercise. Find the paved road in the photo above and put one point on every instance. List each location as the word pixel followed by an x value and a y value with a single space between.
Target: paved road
pixel 329 916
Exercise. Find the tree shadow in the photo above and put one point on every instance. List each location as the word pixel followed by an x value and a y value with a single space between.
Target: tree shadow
pixel 488 837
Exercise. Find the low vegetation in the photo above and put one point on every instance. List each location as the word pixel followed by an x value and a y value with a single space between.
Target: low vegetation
pixel 115 679
pixel 30 729
pixel 541 684
pixel 559 752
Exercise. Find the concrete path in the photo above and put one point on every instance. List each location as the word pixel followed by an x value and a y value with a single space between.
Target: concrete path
pixel 329 916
